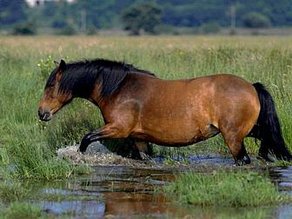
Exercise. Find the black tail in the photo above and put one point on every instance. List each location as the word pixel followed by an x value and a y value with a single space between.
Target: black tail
pixel 268 128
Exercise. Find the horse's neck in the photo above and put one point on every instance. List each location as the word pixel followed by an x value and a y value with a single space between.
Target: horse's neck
pixel 131 86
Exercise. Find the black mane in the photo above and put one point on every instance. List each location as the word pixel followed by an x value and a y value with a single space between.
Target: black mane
pixel 79 78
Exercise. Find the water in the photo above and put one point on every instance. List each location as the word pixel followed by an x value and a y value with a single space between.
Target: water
pixel 124 192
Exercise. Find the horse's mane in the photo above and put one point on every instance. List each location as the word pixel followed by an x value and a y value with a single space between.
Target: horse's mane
pixel 80 77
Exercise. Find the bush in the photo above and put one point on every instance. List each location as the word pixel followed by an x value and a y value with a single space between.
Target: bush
pixel 256 20
pixel 211 27
pixel 67 31
pixel 24 29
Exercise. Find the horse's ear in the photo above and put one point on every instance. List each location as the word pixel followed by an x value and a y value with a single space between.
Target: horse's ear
pixel 61 68
pixel 62 65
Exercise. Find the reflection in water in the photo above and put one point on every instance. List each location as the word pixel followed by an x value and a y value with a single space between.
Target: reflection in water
pixel 123 192
pixel 126 204
pixel 282 176
pixel 76 208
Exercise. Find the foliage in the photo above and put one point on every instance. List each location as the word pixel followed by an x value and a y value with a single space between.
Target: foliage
pixel 68 30
pixel 83 16
pixel 196 13
pixel 144 16
pixel 235 189
pixel 256 20
pixel 211 27
pixel 24 29
pixel 12 12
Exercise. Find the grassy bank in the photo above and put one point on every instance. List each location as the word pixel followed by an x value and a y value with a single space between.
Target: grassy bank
pixel 232 189
pixel 27 146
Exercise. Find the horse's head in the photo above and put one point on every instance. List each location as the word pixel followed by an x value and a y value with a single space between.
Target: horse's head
pixel 54 98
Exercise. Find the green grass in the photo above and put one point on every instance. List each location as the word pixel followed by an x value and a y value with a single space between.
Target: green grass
pixel 11 191
pixel 235 189
pixel 27 146
pixel 20 210
pixel 14 195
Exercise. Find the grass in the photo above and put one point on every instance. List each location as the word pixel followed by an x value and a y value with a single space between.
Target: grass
pixel 11 191
pixel 27 146
pixel 21 210
pixel 14 195
pixel 232 189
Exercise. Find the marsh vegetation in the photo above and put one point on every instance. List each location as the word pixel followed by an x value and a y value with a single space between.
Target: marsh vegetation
pixel 28 147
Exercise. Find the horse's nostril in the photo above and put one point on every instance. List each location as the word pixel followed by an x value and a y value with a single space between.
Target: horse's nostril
pixel 44 115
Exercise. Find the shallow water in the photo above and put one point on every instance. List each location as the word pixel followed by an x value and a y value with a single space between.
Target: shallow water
pixel 125 192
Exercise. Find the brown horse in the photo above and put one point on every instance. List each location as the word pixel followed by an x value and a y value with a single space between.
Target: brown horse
pixel 136 104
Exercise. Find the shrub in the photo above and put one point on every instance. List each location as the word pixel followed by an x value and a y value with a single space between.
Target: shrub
pixel 211 27
pixel 24 29
pixel 256 20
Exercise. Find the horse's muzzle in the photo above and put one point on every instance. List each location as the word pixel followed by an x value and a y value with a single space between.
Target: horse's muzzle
pixel 44 115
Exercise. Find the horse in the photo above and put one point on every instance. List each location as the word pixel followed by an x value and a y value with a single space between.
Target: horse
pixel 136 104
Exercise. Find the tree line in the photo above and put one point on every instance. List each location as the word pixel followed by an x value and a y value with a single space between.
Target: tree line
pixel 138 16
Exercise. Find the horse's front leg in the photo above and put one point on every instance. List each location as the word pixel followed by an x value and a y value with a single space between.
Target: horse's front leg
pixel 105 132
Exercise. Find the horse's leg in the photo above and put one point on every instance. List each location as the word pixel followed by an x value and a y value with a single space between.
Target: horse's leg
pixel 242 156
pixel 238 152
pixel 235 144
pixel 143 148
pixel 105 132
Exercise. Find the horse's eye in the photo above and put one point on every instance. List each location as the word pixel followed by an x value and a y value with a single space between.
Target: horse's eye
pixel 51 85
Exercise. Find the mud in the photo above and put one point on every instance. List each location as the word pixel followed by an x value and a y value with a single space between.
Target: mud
pixel 96 155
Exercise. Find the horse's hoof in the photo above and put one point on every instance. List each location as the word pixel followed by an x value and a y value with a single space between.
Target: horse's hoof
pixel 80 151
pixel 146 157
pixel 245 160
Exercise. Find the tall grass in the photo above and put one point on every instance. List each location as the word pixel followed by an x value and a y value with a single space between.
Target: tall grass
pixel 22 210
pixel 27 147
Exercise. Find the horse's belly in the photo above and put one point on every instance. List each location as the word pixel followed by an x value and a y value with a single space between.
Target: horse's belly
pixel 173 140
pixel 172 135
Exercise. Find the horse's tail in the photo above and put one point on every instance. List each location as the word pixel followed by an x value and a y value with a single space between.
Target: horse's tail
pixel 268 129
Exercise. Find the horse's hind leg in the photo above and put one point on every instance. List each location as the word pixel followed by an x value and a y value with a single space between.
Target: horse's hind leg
pixel 237 149
pixel 143 149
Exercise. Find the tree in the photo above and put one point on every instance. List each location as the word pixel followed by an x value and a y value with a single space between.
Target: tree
pixel 144 16
pixel 27 28
pixel 256 20
pixel 12 12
